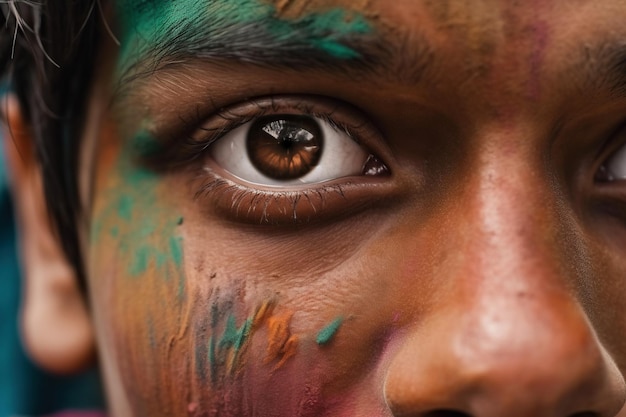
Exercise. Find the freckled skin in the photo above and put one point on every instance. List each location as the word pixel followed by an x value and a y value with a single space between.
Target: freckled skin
pixel 491 283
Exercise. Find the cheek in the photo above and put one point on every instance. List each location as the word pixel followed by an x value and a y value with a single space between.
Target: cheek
pixel 185 330
pixel 137 281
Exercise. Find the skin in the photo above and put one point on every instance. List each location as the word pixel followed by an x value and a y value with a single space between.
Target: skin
pixel 484 275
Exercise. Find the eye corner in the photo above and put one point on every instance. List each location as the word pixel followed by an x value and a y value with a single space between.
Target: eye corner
pixel 375 167
pixel 612 167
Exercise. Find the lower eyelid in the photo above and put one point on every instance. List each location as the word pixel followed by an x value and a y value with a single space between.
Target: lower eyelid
pixel 334 199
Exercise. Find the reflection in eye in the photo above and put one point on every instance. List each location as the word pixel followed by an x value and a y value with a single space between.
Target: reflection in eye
pixel 614 169
pixel 287 149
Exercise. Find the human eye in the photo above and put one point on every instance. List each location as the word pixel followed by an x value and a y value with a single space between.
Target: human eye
pixel 287 159
pixel 283 150
pixel 614 167
pixel 608 196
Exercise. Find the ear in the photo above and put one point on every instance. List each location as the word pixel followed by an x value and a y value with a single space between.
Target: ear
pixel 55 323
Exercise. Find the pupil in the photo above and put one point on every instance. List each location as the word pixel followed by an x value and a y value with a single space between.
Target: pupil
pixel 285 147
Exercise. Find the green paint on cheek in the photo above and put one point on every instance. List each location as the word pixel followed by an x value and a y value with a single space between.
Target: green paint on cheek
pixel 212 361
pixel 327 333
pixel 230 333
pixel 243 334
pixel 176 250
pixel 144 145
pixel 228 350
pixel 143 225
pixel 140 261
pixel 125 208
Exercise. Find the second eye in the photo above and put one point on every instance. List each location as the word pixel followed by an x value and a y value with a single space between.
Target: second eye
pixel 289 149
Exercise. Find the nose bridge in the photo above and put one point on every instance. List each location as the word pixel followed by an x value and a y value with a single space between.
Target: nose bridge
pixel 511 221
pixel 507 336
pixel 512 282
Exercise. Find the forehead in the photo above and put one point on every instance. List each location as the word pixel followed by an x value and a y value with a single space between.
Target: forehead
pixel 447 53
pixel 473 34
pixel 477 20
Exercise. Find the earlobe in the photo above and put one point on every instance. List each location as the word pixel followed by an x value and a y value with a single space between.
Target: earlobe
pixel 55 322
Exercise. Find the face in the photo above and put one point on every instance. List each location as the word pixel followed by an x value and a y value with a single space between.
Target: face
pixel 360 208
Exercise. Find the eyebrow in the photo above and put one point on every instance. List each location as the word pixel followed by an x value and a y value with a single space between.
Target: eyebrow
pixel 601 67
pixel 333 41
pixel 614 58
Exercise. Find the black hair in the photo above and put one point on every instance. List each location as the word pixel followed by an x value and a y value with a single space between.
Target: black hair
pixel 47 53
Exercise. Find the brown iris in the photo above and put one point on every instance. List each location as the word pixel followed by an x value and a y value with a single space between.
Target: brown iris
pixel 285 147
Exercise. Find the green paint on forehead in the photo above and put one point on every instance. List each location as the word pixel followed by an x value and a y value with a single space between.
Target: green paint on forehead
pixel 146 24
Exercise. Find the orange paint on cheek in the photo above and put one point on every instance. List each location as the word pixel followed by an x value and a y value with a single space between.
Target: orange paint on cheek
pixel 282 345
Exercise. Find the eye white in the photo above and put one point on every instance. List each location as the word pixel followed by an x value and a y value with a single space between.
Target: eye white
pixel 615 166
pixel 341 157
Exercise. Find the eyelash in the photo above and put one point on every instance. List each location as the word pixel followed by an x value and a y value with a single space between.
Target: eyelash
pixel 259 202
pixel 301 204
pixel 174 154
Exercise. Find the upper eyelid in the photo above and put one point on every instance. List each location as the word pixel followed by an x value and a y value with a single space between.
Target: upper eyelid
pixel 187 144
pixel 316 106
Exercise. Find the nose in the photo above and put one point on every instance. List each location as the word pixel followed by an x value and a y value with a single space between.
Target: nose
pixel 508 335
pixel 505 364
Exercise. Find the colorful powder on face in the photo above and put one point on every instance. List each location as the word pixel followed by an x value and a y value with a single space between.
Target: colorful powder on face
pixel 125 208
pixel 212 360
pixel 262 313
pixel 176 250
pixel 150 24
pixel 200 361
pixel 281 344
pixel 143 227
pixel 140 261
pixel 226 352
pixel 327 334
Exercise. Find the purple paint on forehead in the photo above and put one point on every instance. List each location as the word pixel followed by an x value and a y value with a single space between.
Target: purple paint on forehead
pixel 540 35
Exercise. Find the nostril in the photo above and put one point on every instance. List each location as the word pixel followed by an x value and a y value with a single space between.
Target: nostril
pixel 452 413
